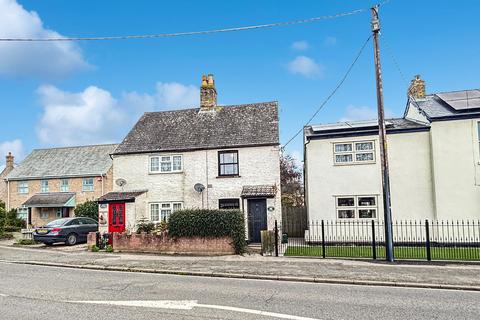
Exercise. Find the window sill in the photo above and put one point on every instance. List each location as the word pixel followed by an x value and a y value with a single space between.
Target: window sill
pixel 172 172
pixel 353 163
pixel 231 176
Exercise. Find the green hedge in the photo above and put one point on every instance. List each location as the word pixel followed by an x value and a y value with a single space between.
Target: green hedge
pixel 209 223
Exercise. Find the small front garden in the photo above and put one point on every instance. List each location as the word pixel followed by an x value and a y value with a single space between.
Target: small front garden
pixel 401 252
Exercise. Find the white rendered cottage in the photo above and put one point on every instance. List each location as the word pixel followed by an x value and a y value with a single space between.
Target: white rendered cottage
pixel 434 158
pixel 212 157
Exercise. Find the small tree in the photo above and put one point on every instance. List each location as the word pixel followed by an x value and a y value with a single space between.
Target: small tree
pixel 291 182
pixel 87 209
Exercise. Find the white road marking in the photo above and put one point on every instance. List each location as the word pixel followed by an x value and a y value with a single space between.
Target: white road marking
pixel 189 305
pixel 3 295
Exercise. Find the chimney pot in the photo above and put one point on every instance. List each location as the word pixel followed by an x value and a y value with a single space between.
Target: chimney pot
pixel 208 93
pixel 417 88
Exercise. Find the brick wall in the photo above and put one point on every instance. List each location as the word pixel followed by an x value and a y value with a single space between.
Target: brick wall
pixel 163 244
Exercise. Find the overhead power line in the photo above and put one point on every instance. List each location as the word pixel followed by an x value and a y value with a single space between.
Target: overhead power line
pixel 340 83
pixel 191 33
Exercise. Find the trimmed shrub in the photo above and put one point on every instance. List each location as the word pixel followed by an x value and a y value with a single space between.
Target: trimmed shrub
pixel 26 242
pixel 210 224
pixel 146 227
pixel 95 248
pixel 87 209
pixel 109 249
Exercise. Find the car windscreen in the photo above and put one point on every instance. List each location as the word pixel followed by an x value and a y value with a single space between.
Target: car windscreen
pixel 57 223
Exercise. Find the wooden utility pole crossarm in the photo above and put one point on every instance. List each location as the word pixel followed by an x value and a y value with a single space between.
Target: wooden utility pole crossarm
pixel 382 134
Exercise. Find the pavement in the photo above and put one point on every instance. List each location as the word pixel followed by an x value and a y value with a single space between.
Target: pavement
pixel 425 275
pixel 39 292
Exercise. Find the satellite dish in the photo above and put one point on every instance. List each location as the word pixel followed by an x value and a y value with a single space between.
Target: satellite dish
pixel 120 182
pixel 199 187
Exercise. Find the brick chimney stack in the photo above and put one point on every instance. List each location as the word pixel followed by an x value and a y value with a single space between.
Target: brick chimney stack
pixel 417 88
pixel 9 161
pixel 208 93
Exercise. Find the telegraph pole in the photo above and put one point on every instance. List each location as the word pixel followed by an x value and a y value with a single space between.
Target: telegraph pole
pixel 382 134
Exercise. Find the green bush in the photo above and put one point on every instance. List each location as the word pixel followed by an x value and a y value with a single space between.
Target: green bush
pixel 109 248
pixel 87 209
pixel 95 248
pixel 209 223
pixel 145 226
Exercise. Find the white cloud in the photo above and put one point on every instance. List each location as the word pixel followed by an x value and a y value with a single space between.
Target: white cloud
pixel 34 58
pixel 305 66
pixel 95 116
pixel 355 113
pixel 176 95
pixel 330 41
pixel 90 116
pixel 300 45
pixel 13 146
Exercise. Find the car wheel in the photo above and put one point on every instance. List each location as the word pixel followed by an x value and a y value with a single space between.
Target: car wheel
pixel 71 239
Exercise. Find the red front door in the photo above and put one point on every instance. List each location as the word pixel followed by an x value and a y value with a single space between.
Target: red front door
pixel 116 217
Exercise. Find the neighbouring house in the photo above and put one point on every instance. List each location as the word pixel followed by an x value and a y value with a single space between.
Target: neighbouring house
pixel 212 157
pixel 433 154
pixel 49 183
pixel 9 165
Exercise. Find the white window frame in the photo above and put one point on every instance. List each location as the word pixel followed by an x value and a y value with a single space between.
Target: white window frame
pixel 44 214
pixel 166 159
pixel 65 187
pixel 353 152
pixel 58 213
pixel 22 187
pixel 23 212
pixel 88 187
pixel 164 206
pixel 356 207
pixel 44 186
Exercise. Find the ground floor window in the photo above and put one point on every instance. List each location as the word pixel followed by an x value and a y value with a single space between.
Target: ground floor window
pixel 161 211
pixel 58 213
pixel 229 203
pixel 22 213
pixel 44 213
pixel 356 207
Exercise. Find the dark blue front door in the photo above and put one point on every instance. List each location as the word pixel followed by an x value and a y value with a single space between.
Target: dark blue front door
pixel 257 218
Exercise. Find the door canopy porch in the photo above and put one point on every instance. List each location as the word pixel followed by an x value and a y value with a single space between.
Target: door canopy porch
pixel 121 196
pixel 259 191
pixel 51 200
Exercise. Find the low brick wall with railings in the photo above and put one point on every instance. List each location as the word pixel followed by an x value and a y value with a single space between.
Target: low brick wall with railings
pixel 151 243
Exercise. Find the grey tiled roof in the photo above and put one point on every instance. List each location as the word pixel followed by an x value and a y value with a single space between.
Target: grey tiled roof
pixel 52 199
pixel 438 105
pixel 65 162
pixel 122 195
pixel 259 191
pixel 191 129
pixel 353 128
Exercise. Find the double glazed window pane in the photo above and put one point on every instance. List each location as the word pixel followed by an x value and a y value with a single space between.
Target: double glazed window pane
pixel 346 202
pixel 366 213
pixel 364 157
pixel 343 147
pixel 154 212
pixel 344 158
pixel 366 201
pixel 361 146
pixel 346 214
pixel 154 164
pixel 177 163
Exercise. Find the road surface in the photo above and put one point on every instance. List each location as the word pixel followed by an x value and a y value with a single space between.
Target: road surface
pixel 36 292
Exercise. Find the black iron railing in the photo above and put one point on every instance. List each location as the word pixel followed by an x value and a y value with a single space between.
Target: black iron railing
pixel 413 239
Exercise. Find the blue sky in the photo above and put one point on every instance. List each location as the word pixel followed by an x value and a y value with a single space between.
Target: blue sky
pixel 92 92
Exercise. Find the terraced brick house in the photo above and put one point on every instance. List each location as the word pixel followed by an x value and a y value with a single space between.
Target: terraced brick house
pixel 434 158
pixel 49 183
pixel 212 157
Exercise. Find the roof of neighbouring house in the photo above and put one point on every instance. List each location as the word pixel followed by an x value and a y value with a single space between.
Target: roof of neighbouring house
pixel 191 129
pixel 51 199
pixel 81 161
pixel 259 191
pixel 453 104
pixel 359 128
pixel 121 196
